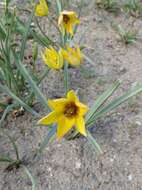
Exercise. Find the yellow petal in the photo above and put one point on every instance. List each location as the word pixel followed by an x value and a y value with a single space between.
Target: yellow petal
pixel 58 104
pixel 41 8
pixel 83 109
pixel 69 13
pixel 60 20
pixel 69 28
pixel 52 58
pixel 80 125
pixel 49 119
pixel 77 21
pixel 68 25
pixel 64 125
pixel 72 96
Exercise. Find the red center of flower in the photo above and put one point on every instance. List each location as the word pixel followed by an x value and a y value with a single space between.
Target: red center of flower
pixel 70 110
pixel 66 19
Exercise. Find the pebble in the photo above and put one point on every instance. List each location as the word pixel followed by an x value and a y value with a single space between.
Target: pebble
pixel 130 177
pixel 78 165
pixel 138 123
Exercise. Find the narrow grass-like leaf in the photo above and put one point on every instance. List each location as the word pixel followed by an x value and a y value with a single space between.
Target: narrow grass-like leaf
pixel 90 61
pixel 42 40
pixel 93 142
pixel 6 111
pixel 6 90
pixel 14 145
pixel 115 103
pixel 3 105
pixel 66 77
pixel 30 81
pixel 40 79
pixel 2 32
pixel 101 100
pixel 47 139
pixel 5 158
pixel 59 6
pixel 25 36
pixel 30 177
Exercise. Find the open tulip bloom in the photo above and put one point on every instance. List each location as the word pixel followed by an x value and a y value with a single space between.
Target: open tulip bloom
pixel 67 20
pixel 67 113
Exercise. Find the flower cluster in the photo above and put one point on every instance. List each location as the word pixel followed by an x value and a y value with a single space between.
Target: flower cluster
pixel 66 112
pixel 66 22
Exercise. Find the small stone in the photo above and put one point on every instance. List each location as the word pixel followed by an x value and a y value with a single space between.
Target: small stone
pixel 114 140
pixel 130 177
pixel 49 169
pixel 138 123
pixel 78 165
pixel 111 159
pixel 123 70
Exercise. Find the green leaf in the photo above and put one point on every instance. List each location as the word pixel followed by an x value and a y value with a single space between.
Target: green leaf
pixel 6 90
pixel 7 2
pixel 93 142
pixel 25 36
pixel 90 61
pixel 2 32
pixel 47 139
pixel 6 111
pixel 115 103
pixel 3 105
pixel 59 6
pixel 14 145
pixel 20 27
pixel 5 158
pixel 101 100
pixel 42 40
pixel 30 177
pixel 30 81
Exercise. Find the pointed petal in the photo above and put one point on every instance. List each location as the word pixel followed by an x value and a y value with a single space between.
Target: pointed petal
pixel 58 104
pixel 71 96
pixel 60 20
pixel 69 28
pixel 80 125
pixel 49 119
pixel 82 108
pixel 64 125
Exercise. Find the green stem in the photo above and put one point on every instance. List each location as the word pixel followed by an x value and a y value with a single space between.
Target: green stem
pixel 66 77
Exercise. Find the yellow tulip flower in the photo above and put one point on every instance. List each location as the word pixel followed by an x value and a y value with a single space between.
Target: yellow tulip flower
pixel 72 55
pixel 67 113
pixel 41 8
pixel 67 20
pixel 52 58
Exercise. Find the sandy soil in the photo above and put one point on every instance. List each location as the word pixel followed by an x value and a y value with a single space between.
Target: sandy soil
pixel 72 165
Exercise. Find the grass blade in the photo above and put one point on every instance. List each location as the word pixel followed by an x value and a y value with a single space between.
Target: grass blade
pixel 14 145
pixel 5 158
pixel 59 6
pixel 93 142
pixel 31 82
pixel 30 177
pixel 6 111
pixel 115 103
pixel 101 100
pixel 25 36
pixel 47 139
pixel 6 90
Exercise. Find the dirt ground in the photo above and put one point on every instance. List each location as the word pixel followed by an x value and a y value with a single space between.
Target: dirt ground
pixel 72 165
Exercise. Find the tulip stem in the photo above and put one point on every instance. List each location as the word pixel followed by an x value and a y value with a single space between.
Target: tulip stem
pixel 66 77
